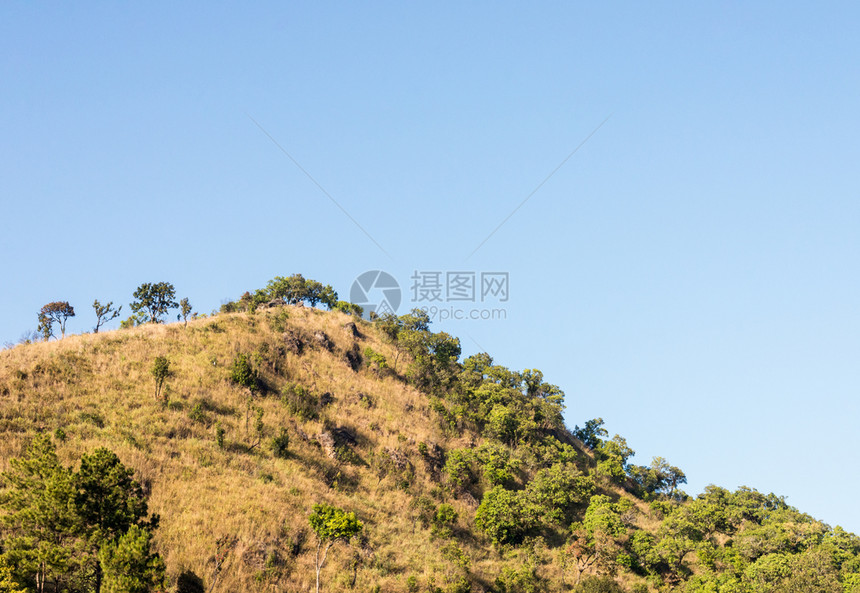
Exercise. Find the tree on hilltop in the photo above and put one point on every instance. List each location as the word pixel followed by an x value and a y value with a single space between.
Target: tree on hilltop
pixel 154 300
pixel 184 310
pixel 297 288
pixel 57 312
pixel 104 313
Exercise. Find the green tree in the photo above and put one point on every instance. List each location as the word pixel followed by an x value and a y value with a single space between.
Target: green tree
pixel 184 310
pixel 331 525
pixel 8 584
pixel 130 565
pixel 104 313
pixel 160 371
pixel 668 476
pixel 612 458
pixel 597 539
pixel 502 516
pixel 56 521
pixel 57 312
pixel 294 289
pixel 280 444
pixel 39 520
pixel 108 502
pixel 556 492
pixel 242 373
pixel 154 300
pixel 444 520
pixel 349 308
pixel 375 361
pixel 592 433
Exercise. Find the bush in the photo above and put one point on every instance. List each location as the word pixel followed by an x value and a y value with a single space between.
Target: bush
pixel 160 371
pixel 241 373
pixel 300 402
pixel 349 308
pixel 196 414
pixel 523 580
pixel 219 435
pixel 375 361
pixel 280 444
pixel 598 585
pixel 412 581
pixel 502 517
pixel 459 468
pixel 444 519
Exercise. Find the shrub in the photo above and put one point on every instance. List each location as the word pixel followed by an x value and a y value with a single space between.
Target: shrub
pixel 412 581
pixel 132 321
pixel 280 444
pixel 444 519
pixel 229 307
pixel 160 371
pixel 196 414
pixel 598 585
pixel 219 435
pixel 241 373
pixel 461 585
pixel 349 308
pixel 279 321
pixel 522 580
pixel 502 517
pixel 459 468
pixel 300 402
pixel 425 508
pixel 375 361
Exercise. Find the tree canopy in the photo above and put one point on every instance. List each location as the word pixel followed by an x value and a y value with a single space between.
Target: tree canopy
pixel 57 522
pixel 154 300
pixel 57 312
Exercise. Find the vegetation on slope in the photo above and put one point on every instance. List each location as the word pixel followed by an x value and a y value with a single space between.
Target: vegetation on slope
pixel 458 475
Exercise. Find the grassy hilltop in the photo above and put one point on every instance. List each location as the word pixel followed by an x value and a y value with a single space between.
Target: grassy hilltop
pixel 461 472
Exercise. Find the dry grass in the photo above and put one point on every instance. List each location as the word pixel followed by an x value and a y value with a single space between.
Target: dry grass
pixel 98 389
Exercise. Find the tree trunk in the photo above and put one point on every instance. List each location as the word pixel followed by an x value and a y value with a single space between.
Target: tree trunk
pixel 321 562
pixel 319 544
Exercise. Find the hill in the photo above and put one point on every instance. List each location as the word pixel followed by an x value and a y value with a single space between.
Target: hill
pixel 461 473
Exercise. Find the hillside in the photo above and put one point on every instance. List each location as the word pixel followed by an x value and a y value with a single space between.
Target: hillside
pixel 460 471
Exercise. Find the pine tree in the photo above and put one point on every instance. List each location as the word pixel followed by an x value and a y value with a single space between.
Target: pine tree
pixel 40 519
pixel 109 503
pixel 129 564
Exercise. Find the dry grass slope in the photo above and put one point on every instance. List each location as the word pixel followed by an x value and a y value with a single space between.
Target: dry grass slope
pixel 237 515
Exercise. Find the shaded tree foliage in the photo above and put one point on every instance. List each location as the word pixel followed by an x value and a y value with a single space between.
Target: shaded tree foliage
pixel 57 522
pixel 592 433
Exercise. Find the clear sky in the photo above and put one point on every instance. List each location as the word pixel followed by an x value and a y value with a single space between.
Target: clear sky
pixel 690 274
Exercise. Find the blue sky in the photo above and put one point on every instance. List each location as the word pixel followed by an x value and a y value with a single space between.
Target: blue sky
pixel 689 274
